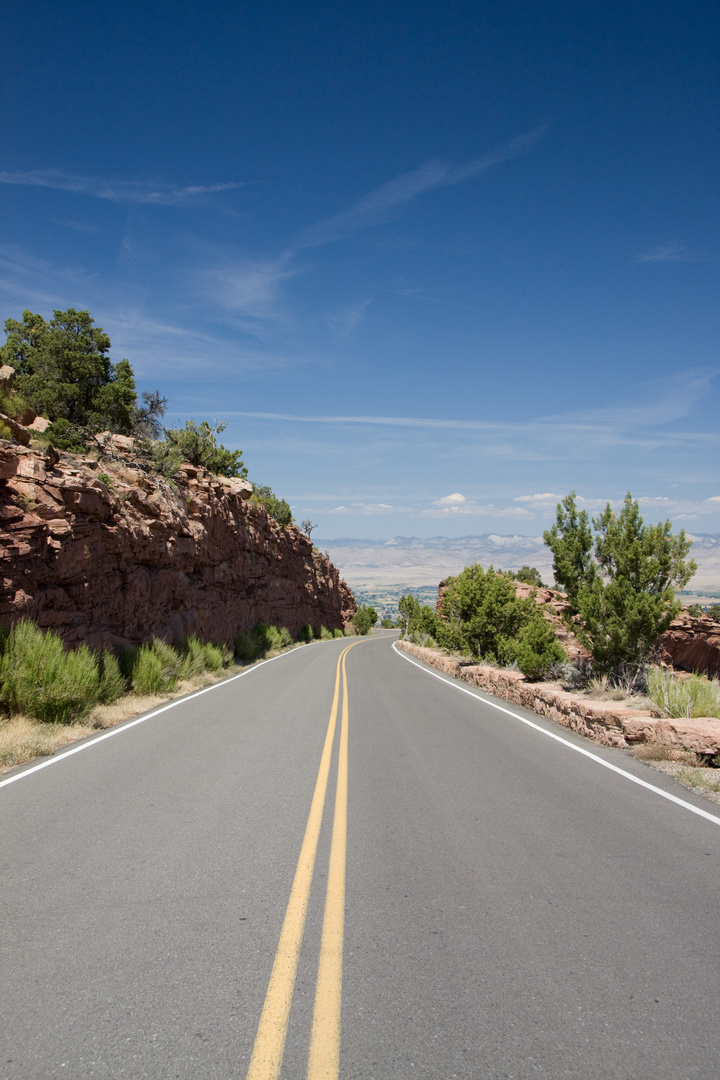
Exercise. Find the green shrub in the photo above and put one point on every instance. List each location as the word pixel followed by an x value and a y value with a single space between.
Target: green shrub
pixel 338 633
pixel 481 614
pixel 325 634
pixel 199 656
pixel 112 681
pixel 245 646
pixel 197 444
pixel 537 648
pixel 688 698
pixel 147 672
pixel 276 637
pixel 38 676
pixel 13 404
pixel 261 640
pixel 216 656
pixel 305 633
pixel 530 575
pixel 193 651
pixel 157 668
pixel 364 619
pixel 279 509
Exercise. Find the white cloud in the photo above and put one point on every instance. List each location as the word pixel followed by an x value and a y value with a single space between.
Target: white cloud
pixel 444 509
pixel 450 501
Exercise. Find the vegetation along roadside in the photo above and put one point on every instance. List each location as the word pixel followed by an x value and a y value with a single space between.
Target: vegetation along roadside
pixel 51 696
pixel 616 593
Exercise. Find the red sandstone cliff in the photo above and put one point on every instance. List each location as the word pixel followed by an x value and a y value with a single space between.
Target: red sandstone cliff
pixel 692 644
pixel 142 557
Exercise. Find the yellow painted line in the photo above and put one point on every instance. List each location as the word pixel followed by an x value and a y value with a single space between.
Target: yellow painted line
pixel 324 1056
pixel 272 1030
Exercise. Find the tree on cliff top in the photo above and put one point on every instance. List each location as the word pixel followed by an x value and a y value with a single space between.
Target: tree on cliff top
pixel 63 370
pixel 279 509
pixel 624 596
pixel 198 445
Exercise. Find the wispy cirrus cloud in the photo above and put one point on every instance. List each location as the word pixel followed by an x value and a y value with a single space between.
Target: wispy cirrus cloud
pixel 666 253
pixel 367 508
pixel 344 322
pixel 656 506
pixel 118 191
pixel 248 287
pixel 375 207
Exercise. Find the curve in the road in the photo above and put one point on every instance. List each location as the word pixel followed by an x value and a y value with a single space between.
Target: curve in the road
pixel 565 742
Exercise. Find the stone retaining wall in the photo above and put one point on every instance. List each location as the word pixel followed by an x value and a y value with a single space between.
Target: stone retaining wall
pixel 603 721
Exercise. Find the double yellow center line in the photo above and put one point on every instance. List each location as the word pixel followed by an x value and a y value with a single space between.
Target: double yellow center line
pixel 324 1056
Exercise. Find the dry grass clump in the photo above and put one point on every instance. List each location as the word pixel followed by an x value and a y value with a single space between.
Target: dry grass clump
pixel 699 778
pixel 663 751
pixel 23 738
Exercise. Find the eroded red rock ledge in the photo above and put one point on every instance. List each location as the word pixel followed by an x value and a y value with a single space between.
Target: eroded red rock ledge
pixel 135 557
pixel 603 721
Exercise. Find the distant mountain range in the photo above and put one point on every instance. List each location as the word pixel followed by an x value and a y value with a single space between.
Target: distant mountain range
pixel 411 561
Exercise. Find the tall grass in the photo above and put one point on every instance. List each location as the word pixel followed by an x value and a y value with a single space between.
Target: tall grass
pixel 687 698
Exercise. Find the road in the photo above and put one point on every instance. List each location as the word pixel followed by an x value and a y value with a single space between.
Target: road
pixel 392 878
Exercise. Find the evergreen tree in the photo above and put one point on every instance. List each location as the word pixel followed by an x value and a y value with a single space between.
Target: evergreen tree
pixel 64 372
pixel 624 597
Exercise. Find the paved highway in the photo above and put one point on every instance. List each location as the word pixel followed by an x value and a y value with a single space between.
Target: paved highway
pixel 341 864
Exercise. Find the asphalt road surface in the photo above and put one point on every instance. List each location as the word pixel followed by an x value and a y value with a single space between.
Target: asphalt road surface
pixel 341 864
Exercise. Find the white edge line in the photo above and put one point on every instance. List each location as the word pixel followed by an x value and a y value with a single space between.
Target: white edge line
pixel 450 681
pixel 118 730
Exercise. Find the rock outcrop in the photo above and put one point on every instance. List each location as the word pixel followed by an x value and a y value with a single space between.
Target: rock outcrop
pixel 692 644
pixel 113 553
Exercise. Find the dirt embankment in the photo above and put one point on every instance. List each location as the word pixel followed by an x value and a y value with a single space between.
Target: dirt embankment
pixel 109 553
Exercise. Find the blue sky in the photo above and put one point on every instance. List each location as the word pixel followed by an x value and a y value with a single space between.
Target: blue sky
pixel 434 264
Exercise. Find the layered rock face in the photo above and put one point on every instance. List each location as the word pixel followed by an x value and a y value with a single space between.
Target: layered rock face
pixel 112 553
pixel 692 644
